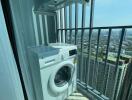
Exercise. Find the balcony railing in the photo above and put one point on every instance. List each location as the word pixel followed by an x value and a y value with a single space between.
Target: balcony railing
pixel 101 69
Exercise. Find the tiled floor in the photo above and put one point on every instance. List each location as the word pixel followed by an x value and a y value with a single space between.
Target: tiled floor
pixel 77 96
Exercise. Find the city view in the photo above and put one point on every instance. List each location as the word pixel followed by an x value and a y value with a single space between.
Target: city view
pixel 103 72
pixel 103 39
pixel 102 77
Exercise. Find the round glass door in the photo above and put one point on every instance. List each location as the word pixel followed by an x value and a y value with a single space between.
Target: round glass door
pixel 62 76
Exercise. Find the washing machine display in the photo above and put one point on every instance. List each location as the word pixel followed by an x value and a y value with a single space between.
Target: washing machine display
pixel 72 52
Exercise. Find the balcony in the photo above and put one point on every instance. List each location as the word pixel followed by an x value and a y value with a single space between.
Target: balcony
pixel 104 52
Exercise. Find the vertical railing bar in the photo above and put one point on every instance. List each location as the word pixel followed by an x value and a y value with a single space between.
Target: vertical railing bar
pixel 35 28
pixel 61 25
pixel 117 63
pixel 89 40
pixel 83 25
pixel 41 28
pixel 99 31
pixel 57 36
pixel 70 19
pixel 56 27
pixel 76 20
pixel 106 56
pixel 46 30
pixel 65 18
pixel 76 31
pixel 96 59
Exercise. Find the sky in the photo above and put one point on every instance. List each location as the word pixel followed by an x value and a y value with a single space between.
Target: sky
pixel 113 12
pixel 107 13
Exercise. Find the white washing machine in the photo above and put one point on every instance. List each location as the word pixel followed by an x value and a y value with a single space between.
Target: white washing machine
pixel 53 70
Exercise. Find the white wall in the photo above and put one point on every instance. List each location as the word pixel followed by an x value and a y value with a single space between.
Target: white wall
pixel 21 11
pixel 10 86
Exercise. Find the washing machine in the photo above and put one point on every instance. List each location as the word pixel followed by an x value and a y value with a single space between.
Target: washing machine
pixel 53 70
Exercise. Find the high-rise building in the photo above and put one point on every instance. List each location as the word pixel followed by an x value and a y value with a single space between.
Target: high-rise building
pixel 110 78
pixel 115 76
pixel 130 94
pixel 107 80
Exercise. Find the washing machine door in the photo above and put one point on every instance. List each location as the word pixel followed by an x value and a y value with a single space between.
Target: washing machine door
pixel 61 77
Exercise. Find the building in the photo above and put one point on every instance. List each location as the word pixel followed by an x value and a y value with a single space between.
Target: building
pixel 115 78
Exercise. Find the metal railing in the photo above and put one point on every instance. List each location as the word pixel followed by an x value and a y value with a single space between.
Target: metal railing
pixel 98 74
pixel 95 72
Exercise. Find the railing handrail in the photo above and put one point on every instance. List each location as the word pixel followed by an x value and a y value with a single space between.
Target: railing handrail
pixel 102 27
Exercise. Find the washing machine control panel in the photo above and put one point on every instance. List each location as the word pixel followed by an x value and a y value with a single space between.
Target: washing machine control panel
pixel 72 52
pixel 65 54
